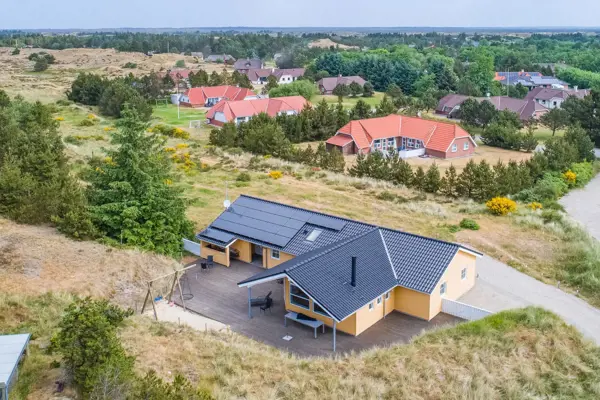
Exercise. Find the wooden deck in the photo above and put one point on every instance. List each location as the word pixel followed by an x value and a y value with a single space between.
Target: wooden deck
pixel 217 296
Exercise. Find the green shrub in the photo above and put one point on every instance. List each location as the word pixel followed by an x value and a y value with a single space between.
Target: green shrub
pixel 453 228
pixel 387 196
pixel 243 177
pixel 63 102
pixel 180 64
pixel 467 223
pixel 550 187
pixel 584 172
pixel 87 122
pixel 551 216
pixel 130 65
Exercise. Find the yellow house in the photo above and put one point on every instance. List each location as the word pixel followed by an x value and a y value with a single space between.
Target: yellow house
pixel 345 273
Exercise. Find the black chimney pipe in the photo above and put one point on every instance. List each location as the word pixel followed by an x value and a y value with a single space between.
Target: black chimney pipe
pixel 353 279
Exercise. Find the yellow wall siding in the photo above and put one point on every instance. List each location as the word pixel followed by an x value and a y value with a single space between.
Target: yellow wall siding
pixel 366 318
pixel 245 250
pixel 348 325
pixel 390 303
pixel 412 303
pixel 270 262
pixel 219 257
pixel 455 286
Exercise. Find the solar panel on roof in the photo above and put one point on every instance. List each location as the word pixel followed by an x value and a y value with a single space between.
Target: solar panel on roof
pixel 261 215
pixel 327 222
pixel 251 232
pixel 218 235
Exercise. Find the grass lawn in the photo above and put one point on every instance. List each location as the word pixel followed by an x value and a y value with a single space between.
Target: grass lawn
pixel 350 102
pixel 168 115
pixel 543 133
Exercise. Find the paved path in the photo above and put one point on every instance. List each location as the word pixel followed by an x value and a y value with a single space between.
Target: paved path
pixel 500 287
pixel 583 205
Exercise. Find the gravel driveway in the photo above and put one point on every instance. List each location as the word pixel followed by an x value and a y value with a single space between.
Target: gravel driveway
pixel 500 287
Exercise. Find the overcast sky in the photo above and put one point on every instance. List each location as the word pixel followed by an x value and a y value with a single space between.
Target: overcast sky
pixel 40 14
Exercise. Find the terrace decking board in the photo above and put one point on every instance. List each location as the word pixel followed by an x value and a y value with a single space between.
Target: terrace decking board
pixel 217 296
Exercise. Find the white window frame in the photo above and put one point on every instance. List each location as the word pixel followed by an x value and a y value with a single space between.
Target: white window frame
pixel 443 289
pixel 318 312
pixel 463 274
pixel 466 145
pixel 387 295
pixel 454 148
pixel 291 296
pixel 371 306
pixel 273 254
pixel 379 299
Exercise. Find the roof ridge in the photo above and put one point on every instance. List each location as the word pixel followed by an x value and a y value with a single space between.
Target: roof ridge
pixel 388 254
pixel 359 222
pixel 333 246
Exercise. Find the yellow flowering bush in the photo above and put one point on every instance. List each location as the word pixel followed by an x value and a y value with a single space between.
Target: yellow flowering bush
pixel 59 118
pixel 267 156
pixel 168 182
pixel 570 178
pixel 109 128
pixel 535 205
pixel 91 116
pixel 276 174
pixel 182 145
pixel 501 205
pixel 109 161
pixel 170 149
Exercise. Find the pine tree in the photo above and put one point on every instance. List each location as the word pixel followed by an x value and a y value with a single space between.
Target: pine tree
pixel 226 78
pixel 368 90
pixel 359 169
pixel 502 178
pixel 131 198
pixel 385 107
pixel 465 183
pixel 197 79
pixel 432 179
pixel 484 183
pixel 361 110
pixel 215 79
pixel 449 183
pixel 402 173
pixel 419 179
pixel 341 115
pixel 336 163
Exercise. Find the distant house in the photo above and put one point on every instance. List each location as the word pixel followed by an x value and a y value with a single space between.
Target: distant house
pixel 524 108
pixel 226 58
pixel 209 96
pixel 197 54
pixel 243 111
pixel 246 64
pixel 283 76
pixel 530 80
pixel 326 85
pixel 410 137
pixel 553 98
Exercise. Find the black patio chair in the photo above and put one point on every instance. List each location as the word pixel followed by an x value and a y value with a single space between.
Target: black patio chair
pixel 261 301
pixel 267 306
pixel 210 262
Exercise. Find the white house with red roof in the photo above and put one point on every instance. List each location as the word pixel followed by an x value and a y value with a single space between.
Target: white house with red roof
pixel 242 111
pixel 409 136
pixel 207 96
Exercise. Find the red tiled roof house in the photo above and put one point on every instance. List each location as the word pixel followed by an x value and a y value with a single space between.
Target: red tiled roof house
pixel 411 137
pixel 207 96
pixel 243 111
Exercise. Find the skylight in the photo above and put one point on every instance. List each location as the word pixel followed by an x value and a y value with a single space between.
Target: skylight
pixel 314 235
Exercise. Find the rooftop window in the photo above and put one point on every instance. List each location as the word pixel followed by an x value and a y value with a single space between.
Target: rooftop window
pixel 314 235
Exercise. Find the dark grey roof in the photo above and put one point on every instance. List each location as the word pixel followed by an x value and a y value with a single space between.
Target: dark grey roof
pixel 385 257
pixel 279 226
pixel 418 262
pixel 247 63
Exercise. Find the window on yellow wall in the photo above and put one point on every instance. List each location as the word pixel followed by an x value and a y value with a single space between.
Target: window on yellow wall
pixel 463 274
pixel 319 310
pixel 387 296
pixel 371 306
pixel 379 300
pixel 275 254
pixel 298 297
pixel 443 288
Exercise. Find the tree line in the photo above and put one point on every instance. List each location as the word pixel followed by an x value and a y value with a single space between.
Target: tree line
pixel 111 95
pixel 537 179
pixel 128 198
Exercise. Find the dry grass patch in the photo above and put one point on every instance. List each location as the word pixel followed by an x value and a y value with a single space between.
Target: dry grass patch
pixel 520 354
pixel 39 260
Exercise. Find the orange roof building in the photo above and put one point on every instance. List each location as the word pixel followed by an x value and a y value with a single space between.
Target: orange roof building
pixel 410 137
pixel 207 96
pixel 242 111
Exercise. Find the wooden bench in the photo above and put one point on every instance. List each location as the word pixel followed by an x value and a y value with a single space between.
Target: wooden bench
pixel 313 324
